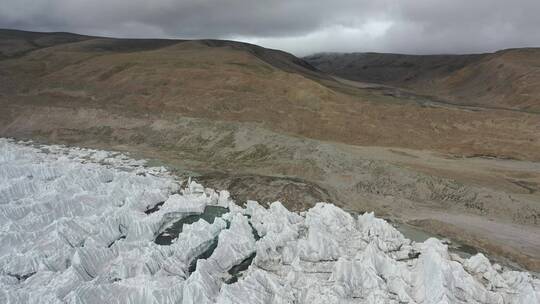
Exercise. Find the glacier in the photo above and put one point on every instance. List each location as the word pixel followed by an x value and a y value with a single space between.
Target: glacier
pixel 81 226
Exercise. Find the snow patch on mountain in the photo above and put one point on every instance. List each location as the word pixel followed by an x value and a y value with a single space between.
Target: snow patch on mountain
pixel 79 226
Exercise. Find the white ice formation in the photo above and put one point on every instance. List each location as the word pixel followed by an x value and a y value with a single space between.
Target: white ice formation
pixel 78 226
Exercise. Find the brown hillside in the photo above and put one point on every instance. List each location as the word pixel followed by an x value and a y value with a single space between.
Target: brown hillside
pixel 224 80
pixel 16 43
pixel 507 79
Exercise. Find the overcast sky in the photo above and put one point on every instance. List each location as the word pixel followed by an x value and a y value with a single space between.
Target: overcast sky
pixel 298 26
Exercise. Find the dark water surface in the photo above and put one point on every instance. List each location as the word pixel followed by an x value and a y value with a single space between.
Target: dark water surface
pixel 171 233
pixel 210 214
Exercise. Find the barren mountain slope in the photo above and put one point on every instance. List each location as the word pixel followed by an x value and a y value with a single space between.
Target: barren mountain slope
pixel 390 69
pixel 240 82
pixel 17 43
pixel 505 79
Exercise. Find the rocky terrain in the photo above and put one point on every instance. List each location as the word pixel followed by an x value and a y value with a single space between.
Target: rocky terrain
pixel 269 126
pixel 84 226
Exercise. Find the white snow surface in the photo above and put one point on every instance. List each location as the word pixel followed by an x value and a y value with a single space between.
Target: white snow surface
pixel 73 229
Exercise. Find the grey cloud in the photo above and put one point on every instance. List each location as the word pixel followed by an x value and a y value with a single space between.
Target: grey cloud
pixel 300 26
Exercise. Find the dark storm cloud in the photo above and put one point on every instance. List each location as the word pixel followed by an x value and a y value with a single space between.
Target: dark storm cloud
pixel 203 18
pixel 301 26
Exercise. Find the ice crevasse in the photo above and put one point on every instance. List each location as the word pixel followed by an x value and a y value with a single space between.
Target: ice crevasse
pixel 80 226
